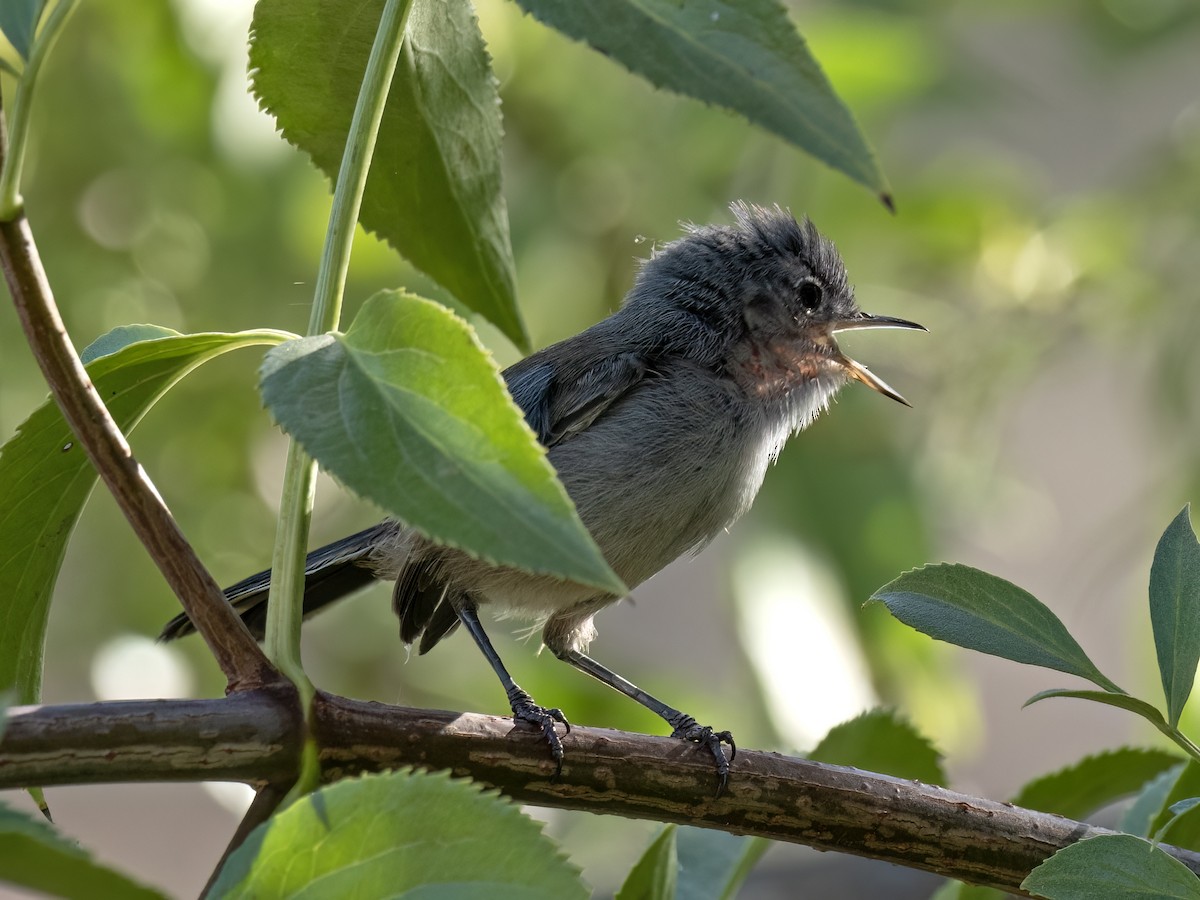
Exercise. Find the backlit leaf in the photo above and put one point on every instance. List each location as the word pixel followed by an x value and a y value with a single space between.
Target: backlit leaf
pixel 408 410
pixel 401 834
pixel 45 477
pixel 434 189
pixel 1080 789
pixel 881 741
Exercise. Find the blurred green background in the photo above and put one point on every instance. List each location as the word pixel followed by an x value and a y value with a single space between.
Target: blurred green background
pixel 1045 160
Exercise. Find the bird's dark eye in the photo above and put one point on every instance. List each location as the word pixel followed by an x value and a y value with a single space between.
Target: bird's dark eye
pixel 810 295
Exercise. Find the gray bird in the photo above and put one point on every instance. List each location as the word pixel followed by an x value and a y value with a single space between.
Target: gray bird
pixel 660 420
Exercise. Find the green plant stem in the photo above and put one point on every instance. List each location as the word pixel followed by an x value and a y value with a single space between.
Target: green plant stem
pixel 287 581
pixel 18 134
pixel 1180 739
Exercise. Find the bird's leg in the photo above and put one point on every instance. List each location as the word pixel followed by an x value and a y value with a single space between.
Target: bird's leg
pixel 523 707
pixel 684 726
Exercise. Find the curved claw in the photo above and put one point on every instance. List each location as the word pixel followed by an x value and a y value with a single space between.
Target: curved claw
pixel 525 710
pixel 687 729
pixel 728 739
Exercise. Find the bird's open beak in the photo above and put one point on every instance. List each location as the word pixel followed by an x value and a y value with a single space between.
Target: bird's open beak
pixel 857 370
pixel 863 320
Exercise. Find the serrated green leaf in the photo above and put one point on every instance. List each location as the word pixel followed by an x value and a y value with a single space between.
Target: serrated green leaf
pixel 434 190
pixel 744 55
pixel 973 609
pixel 35 855
pixel 18 20
pixel 654 876
pixel 1078 790
pixel 713 864
pixel 408 410
pixel 362 837
pixel 1150 802
pixel 1115 867
pixel 1175 611
pixel 880 740
pixel 45 477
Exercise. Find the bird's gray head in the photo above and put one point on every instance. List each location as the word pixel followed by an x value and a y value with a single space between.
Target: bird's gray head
pixel 761 298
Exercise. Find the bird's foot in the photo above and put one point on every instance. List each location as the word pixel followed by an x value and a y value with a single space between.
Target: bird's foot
pixel 687 729
pixel 525 710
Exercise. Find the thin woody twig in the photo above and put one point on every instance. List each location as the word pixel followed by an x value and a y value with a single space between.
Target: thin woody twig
pixel 240 658
pixel 253 738
pixel 266 801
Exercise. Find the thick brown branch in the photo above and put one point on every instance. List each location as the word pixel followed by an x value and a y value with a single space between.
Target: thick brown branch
pixel 239 656
pixel 253 737
pixel 250 736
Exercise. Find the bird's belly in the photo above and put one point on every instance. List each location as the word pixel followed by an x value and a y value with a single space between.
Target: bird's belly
pixel 653 479
pixel 647 506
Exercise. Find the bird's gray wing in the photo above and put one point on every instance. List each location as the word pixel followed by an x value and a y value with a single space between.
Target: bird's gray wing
pixel 559 404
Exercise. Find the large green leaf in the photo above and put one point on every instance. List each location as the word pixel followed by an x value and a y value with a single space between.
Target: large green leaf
pixel 400 834
pixel 654 876
pixel 881 741
pixel 744 55
pixel 1175 611
pixel 45 477
pixel 18 20
pixel 1115 867
pixel 713 864
pixel 408 410
pixel 35 855
pixel 434 190
pixel 981 612
pixel 1080 789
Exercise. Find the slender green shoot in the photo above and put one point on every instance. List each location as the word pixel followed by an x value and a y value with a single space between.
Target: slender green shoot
pixel 18 123
pixel 285 601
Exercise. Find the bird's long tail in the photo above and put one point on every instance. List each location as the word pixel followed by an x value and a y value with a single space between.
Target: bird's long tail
pixel 330 573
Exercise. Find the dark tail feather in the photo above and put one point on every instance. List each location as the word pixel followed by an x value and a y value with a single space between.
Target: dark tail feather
pixel 424 604
pixel 330 573
pixel 417 593
pixel 442 623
